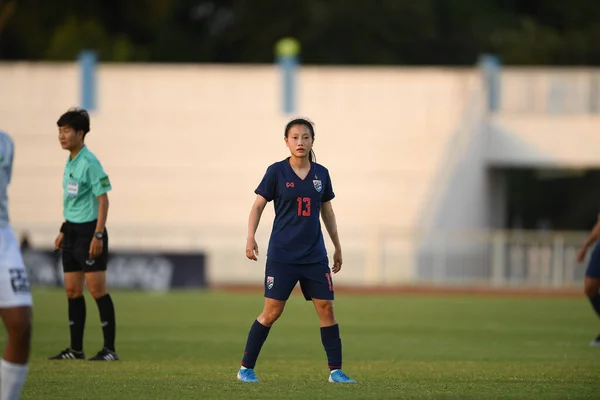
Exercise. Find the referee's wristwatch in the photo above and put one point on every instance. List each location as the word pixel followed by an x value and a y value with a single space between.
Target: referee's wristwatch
pixel 99 235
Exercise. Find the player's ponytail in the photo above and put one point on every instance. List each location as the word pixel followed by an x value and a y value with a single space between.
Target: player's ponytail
pixel 311 156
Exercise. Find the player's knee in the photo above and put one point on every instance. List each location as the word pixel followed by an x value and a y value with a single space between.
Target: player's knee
pixel 74 292
pixel 96 283
pixel 19 328
pixel 591 290
pixel 23 332
pixel 269 316
pixel 97 292
pixel 325 310
pixel 591 287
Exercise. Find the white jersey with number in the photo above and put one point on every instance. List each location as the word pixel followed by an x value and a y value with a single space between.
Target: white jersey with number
pixel 14 285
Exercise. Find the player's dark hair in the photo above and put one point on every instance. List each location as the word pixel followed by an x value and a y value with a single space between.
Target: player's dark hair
pixel 76 118
pixel 311 129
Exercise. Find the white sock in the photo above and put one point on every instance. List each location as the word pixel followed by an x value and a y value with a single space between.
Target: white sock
pixel 333 370
pixel 12 379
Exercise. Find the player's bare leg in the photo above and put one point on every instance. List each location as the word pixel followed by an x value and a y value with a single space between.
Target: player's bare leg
pixel 17 321
pixel 271 312
pixel 74 282
pixel 324 310
pixel 14 366
pixel 96 283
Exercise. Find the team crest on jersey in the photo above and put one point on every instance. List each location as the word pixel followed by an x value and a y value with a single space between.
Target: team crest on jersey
pixel 270 282
pixel 318 185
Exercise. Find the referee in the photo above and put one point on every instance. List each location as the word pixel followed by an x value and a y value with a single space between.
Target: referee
pixel 83 237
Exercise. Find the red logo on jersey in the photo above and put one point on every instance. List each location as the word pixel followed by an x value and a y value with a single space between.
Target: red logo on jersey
pixel 289 184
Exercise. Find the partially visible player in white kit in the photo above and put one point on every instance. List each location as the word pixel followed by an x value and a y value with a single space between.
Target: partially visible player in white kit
pixel 15 297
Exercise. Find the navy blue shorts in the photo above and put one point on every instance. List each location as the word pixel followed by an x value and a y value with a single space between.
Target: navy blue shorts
pixel 315 280
pixel 593 268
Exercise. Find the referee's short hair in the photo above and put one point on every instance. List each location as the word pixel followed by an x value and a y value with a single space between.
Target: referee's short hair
pixel 76 118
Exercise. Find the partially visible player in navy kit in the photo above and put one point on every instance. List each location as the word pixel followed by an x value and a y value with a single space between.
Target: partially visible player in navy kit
pixel 592 274
pixel 302 192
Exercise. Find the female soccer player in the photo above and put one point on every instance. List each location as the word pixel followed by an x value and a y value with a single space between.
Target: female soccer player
pixel 83 237
pixel 592 273
pixel 302 191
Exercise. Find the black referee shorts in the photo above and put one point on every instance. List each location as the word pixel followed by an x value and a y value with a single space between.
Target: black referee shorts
pixel 76 248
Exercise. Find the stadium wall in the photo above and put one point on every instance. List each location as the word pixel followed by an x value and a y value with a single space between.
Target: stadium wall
pixel 185 146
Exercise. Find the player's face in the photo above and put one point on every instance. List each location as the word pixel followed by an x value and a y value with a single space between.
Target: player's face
pixel 68 138
pixel 299 141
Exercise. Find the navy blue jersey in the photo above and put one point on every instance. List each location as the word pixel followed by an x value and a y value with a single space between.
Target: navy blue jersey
pixel 296 237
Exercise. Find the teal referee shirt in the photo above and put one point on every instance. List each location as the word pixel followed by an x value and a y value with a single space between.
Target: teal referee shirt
pixel 83 181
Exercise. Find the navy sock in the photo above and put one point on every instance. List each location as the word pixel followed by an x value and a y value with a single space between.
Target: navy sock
pixel 596 303
pixel 77 322
pixel 330 337
pixel 256 337
pixel 107 318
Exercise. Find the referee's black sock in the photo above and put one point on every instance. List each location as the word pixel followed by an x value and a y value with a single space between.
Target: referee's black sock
pixel 107 319
pixel 330 337
pixel 77 322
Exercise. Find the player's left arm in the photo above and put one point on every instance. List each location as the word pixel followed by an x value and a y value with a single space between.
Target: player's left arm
pixel 102 212
pixel 100 187
pixel 328 217
pixel 97 244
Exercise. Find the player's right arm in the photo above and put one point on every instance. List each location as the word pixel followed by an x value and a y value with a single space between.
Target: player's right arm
pixel 253 221
pixel 592 237
pixel 58 242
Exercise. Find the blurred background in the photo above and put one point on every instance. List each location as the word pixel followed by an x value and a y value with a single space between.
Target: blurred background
pixel 462 136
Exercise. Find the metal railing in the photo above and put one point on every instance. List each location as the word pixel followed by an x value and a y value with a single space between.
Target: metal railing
pixel 383 257
pixel 540 259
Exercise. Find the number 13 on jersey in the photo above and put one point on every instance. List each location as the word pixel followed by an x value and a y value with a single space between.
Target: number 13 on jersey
pixel 304 206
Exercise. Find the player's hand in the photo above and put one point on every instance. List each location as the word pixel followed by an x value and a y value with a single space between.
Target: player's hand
pixel 581 254
pixel 252 249
pixel 58 242
pixel 337 261
pixel 95 247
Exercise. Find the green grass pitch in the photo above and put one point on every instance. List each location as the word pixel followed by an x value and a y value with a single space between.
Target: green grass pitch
pixel 188 345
